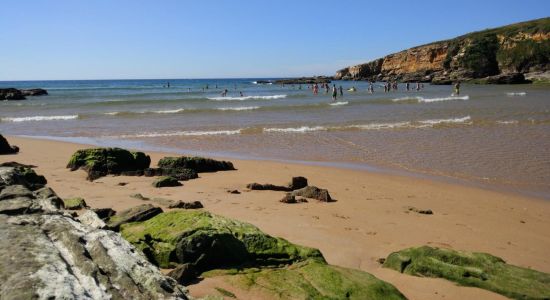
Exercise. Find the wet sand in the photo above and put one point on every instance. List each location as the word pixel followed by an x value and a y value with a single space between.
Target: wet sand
pixel 368 221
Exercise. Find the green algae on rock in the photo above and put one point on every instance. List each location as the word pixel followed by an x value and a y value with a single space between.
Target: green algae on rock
pixel 472 269
pixel 74 203
pixel 166 181
pixel 197 237
pixel 310 279
pixel 199 164
pixel 98 162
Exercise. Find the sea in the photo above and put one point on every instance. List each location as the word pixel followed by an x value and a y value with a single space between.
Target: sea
pixel 496 137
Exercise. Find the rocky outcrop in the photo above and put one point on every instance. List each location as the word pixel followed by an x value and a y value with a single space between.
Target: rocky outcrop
pixel 186 205
pixel 267 187
pixel 74 203
pixel 518 48
pixel 16 94
pixel 99 162
pixel 182 174
pixel 47 254
pixel 34 92
pixel 193 241
pixel 480 270
pixel 6 148
pixel 305 80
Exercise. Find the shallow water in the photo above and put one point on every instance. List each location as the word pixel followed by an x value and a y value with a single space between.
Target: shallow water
pixel 498 136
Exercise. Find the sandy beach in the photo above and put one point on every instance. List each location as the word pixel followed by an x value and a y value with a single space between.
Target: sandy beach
pixel 368 221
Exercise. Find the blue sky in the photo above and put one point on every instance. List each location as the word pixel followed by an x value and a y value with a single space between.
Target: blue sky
pixel 110 39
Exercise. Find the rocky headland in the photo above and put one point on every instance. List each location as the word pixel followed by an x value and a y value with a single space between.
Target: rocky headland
pixel 517 53
pixel 305 80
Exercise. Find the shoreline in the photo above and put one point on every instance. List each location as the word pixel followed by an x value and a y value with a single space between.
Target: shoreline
pixel 365 167
pixel 368 221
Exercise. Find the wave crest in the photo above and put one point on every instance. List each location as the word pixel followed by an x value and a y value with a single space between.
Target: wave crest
pixel 271 97
pixel 40 118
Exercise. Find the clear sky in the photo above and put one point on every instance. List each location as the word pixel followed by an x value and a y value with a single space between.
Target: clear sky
pixel 111 39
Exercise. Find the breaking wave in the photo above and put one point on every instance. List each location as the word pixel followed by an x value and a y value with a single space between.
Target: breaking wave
pixel 271 97
pixel 514 94
pixel 429 100
pixel 339 103
pixel 181 133
pixel 238 108
pixel 40 118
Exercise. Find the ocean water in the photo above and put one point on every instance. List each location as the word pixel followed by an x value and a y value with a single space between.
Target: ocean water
pixel 494 136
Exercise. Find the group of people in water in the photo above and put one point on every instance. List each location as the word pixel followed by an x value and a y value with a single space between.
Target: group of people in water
pixel 388 87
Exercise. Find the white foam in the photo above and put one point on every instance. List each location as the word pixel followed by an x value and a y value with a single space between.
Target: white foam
pixel 112 113
pixel 379 126
pixel 339 103
pixel 296 129
pixel 451 98
pixel 172 111
pixel 239 108
pixel 406 99
pixel 446 121
pixel 271 97
pixel 182 133
pixel 40 118
pixel 508 122
pixel 513 94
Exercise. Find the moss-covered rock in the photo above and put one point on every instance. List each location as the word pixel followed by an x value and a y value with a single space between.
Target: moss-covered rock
pixel 74 203
pixel 14 173
pixel 310 279
pixel 199 164
pixel 166 181
pixel 198 237
pixel 99 162
pixel 472 269
pixel 178 173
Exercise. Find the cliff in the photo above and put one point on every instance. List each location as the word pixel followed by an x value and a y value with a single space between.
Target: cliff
pixel 495 54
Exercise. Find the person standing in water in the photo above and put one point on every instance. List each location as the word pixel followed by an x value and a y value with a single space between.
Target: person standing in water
pixel 334 92
pixel 341 92
pixel 407 86
pixel 457 88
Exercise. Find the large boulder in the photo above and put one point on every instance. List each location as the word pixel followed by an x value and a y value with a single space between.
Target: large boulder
pixel 297 183
pixel 17 174
pixel 510 78
pixel 6 148
pixel 198 237
pixel 11 94
pixel 198 164
pixel 475 269
pixel 98 162
pixel 313 192
pixel 47 254
pixel 135 214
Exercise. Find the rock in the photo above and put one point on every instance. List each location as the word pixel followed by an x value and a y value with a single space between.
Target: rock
pixel 304 80
pixel 298 183
pixel 186 205
pixel 314 193
pixel 234 192
pixel 198 237
pixel 267 187
pixel 198 164
pixel 23 176
pixel 181 174
pixel 184 274
pixel 6 148
pixel 104 213
pixel 511 78
pixel 381 260
pixel 98 162
pixel 122 183
pixel 90 218
pixel 47 254
pixel 166 181
pixel 11 94
pixel 135 214
pixel 474 269
pixel 420 211
pixel 74 203
pixel 140 197
pixel 34 92
pixel 288 198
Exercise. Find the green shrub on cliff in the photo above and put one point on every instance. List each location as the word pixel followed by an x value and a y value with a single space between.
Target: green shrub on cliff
pixel 472 269
pixel 524 55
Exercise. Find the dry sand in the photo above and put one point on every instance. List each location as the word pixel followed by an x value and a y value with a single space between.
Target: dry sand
pixel 368 221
